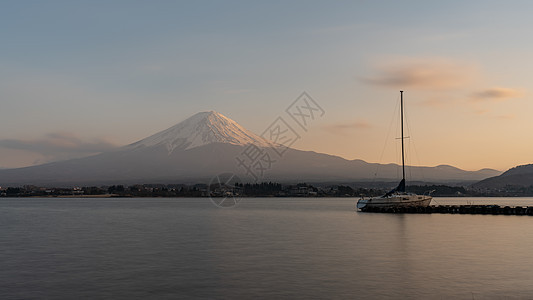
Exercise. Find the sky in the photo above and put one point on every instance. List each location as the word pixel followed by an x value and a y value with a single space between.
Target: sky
pixel 81 77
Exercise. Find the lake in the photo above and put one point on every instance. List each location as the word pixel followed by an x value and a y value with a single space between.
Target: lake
pixel 264 248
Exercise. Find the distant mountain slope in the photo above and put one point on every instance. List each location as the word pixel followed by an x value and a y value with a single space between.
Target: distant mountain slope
pixel 205 145
pixel 520 176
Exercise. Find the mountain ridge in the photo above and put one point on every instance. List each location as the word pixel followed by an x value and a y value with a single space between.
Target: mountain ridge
pixel 205 145
pixel 519 176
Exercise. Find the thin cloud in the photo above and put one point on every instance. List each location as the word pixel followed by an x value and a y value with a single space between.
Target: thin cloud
pixel 446 37
pixel 59 144
pixel 505 117
pixel 481 111
pixel 438 102
pixel 341 128
pixel 489 114
pixel 238 91
pixel 497 94
pixel 428 74
pixel 340 28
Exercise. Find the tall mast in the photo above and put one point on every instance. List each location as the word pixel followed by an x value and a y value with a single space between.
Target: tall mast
pixel 401 118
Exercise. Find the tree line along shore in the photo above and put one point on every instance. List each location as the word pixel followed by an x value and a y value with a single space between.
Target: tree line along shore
pixel 264 189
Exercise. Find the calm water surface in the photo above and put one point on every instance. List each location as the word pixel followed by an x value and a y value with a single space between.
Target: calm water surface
pixel 264 248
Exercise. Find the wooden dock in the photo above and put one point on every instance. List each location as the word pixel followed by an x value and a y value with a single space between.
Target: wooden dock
pixel 455 209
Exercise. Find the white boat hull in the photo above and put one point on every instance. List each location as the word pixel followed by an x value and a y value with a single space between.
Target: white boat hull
pixel 397 200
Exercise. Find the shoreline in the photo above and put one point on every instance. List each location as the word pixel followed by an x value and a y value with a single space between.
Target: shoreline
pixel 106 196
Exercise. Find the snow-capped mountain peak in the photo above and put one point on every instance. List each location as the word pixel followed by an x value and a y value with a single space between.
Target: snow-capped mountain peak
pixel 201 129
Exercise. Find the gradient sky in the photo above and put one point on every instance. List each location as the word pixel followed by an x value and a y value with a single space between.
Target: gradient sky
pixel 79 77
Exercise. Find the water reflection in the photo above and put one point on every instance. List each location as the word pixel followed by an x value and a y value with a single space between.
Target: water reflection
pixel 265 248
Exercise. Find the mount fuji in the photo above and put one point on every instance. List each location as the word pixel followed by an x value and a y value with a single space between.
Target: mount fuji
pixel 202 129
pixel 205 145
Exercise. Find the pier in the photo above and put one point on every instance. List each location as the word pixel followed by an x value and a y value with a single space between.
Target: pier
pixel 455 209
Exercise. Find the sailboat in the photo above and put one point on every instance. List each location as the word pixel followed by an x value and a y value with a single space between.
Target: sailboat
pixel 397 197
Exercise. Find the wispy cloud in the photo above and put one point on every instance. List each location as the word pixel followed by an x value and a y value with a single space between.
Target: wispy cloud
pixel 481 111
pixel 59 145
pixel 446 36
pixel 238 91
pixel 489 114
pixel 505 117
pixel 428 74
pixel 342 128
pixel 497 94
pixel 438 102
pixel 340 28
